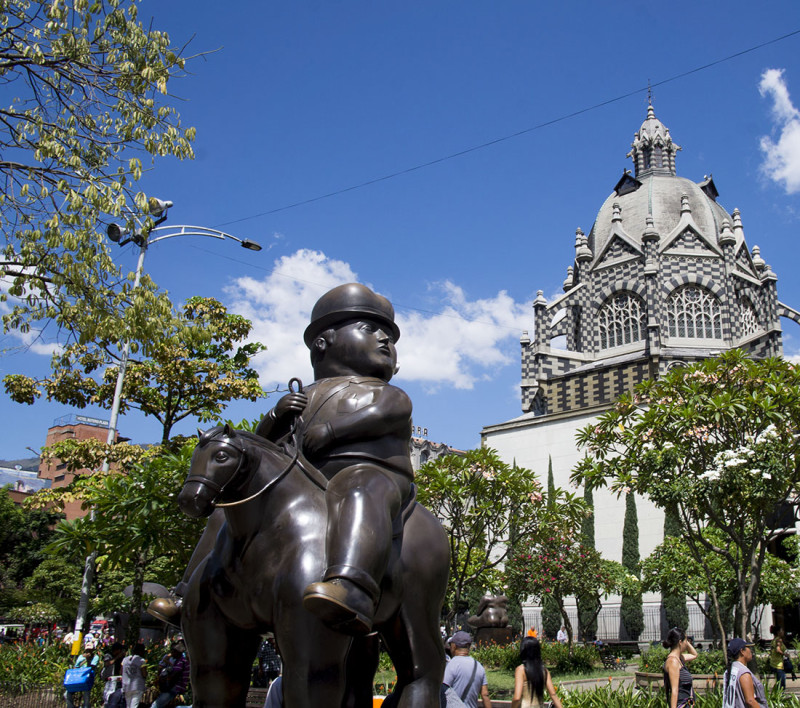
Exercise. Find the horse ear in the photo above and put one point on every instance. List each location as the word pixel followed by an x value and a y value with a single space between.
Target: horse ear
pixel 199 434
pixel 227 431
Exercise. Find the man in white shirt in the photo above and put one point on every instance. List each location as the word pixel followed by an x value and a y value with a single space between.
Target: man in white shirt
pixel 464 674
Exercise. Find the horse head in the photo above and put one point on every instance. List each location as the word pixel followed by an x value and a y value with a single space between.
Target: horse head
pixel 220 468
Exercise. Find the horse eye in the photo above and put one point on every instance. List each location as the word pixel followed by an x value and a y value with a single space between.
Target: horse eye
pixel 221 456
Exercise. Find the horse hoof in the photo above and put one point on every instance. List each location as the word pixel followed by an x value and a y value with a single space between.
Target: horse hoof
pixel 341 605
pixel 167 610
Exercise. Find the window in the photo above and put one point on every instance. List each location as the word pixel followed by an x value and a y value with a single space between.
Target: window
pixel 749 318
pixel 694 313
pixel 621 320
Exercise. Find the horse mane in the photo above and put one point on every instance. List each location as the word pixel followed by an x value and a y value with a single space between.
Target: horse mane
pixel 219 431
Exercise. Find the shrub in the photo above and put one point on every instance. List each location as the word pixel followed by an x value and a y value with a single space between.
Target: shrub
pixel 707 662
pixel 497 656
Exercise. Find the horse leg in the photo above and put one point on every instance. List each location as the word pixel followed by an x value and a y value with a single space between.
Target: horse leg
pixel 314 662
pixel 362 663
pixel 413 640
pixel 221 655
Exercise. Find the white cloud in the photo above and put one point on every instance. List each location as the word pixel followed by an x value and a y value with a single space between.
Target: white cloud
pixel 465 342
pixel 32 341
pixel 781 155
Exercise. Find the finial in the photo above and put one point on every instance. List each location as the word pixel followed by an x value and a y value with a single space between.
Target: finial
pixel 568 282
pixel 539 301
pixel 758 261
pixel 617 212
pixel 685 204
pixel 726 236
pixel 650 233
pixel 737 219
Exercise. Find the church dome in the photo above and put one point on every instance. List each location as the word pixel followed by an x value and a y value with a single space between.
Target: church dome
pixel 655 190
pixel 666 198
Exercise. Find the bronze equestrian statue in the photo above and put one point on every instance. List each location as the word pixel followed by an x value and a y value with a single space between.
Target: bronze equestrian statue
pixel 321 540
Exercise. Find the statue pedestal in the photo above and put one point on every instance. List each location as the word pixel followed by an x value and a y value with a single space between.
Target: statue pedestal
pixel 498 635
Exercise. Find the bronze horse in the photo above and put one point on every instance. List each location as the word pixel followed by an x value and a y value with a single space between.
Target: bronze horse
pixel 271 546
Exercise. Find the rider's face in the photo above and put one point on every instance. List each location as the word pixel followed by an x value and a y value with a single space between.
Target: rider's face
pixel 365 347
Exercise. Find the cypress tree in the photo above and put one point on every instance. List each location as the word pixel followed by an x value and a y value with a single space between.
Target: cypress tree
pixel 588 605
pixel 551 615
pixel 675 611
pixel 631 613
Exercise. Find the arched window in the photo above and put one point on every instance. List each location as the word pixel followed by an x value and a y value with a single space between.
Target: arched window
pixel 694 313
pixel 621 320
pixel 749 318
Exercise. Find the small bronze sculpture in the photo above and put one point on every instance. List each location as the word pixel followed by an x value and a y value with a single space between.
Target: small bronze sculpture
pixel 322 540
pixel 492 612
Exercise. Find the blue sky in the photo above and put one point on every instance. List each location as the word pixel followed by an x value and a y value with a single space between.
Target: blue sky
pixel 297 100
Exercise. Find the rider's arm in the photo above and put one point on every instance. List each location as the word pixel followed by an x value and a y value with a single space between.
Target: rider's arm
pixel 278 422
pixel 388 413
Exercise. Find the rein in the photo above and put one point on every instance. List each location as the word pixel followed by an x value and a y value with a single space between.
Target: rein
pixel 270 483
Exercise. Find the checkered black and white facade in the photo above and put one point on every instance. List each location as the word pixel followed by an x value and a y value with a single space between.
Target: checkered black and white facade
pixel 664 277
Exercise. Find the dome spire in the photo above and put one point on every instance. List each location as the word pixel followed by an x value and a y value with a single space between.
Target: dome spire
pixel 652 149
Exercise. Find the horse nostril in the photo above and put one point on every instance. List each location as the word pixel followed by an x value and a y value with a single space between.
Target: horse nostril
pixel 194 501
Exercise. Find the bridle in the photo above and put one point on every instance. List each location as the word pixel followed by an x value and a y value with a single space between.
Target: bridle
pixel 244 458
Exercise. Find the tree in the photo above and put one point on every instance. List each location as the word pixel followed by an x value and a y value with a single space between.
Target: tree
pixel 718 441
pixel 674 601
pixel 630 609
pixel 85 120
pixel 551 612
pixel 194 368
pixel 486 507
pixel 136 520
pixel 57 582
pixel 557 565
pixel 671 567
pixel 588 605
pixel 24 533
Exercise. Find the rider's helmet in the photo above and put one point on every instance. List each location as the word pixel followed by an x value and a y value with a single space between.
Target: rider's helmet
pixel 345 302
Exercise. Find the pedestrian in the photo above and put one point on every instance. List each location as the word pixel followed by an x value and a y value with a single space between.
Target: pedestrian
pixel 777 653
pixel 134 676
pixel 677 679
pixel 88 658
pixel 173 674
pixel 269 663
pixel 112 675
pixel 464 674
pixel 531 677
pixel 741 688
pixel 561 636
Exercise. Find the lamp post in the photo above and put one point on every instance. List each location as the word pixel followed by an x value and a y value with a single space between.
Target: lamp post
pixel 143 238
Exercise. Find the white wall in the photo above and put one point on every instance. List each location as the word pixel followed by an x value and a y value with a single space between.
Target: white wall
pixel 532 445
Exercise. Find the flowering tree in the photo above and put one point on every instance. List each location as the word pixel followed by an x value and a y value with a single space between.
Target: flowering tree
pixel 718 441
pixel 671 568
pixel 486 506
pixel 557 565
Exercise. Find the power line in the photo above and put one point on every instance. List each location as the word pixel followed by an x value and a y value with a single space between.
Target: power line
pixel 511 136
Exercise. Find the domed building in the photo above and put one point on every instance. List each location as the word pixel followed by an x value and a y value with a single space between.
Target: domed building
pixel 664 278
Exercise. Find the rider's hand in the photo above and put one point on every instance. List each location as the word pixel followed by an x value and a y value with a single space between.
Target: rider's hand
pixel 318 437
pixel 291 404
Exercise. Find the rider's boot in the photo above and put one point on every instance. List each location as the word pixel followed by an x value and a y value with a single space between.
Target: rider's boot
pixel 342 604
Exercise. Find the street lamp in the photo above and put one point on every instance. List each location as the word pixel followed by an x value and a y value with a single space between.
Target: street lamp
pixel 142 237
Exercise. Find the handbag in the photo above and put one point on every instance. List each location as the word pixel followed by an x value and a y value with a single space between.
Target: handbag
pixel 80 679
